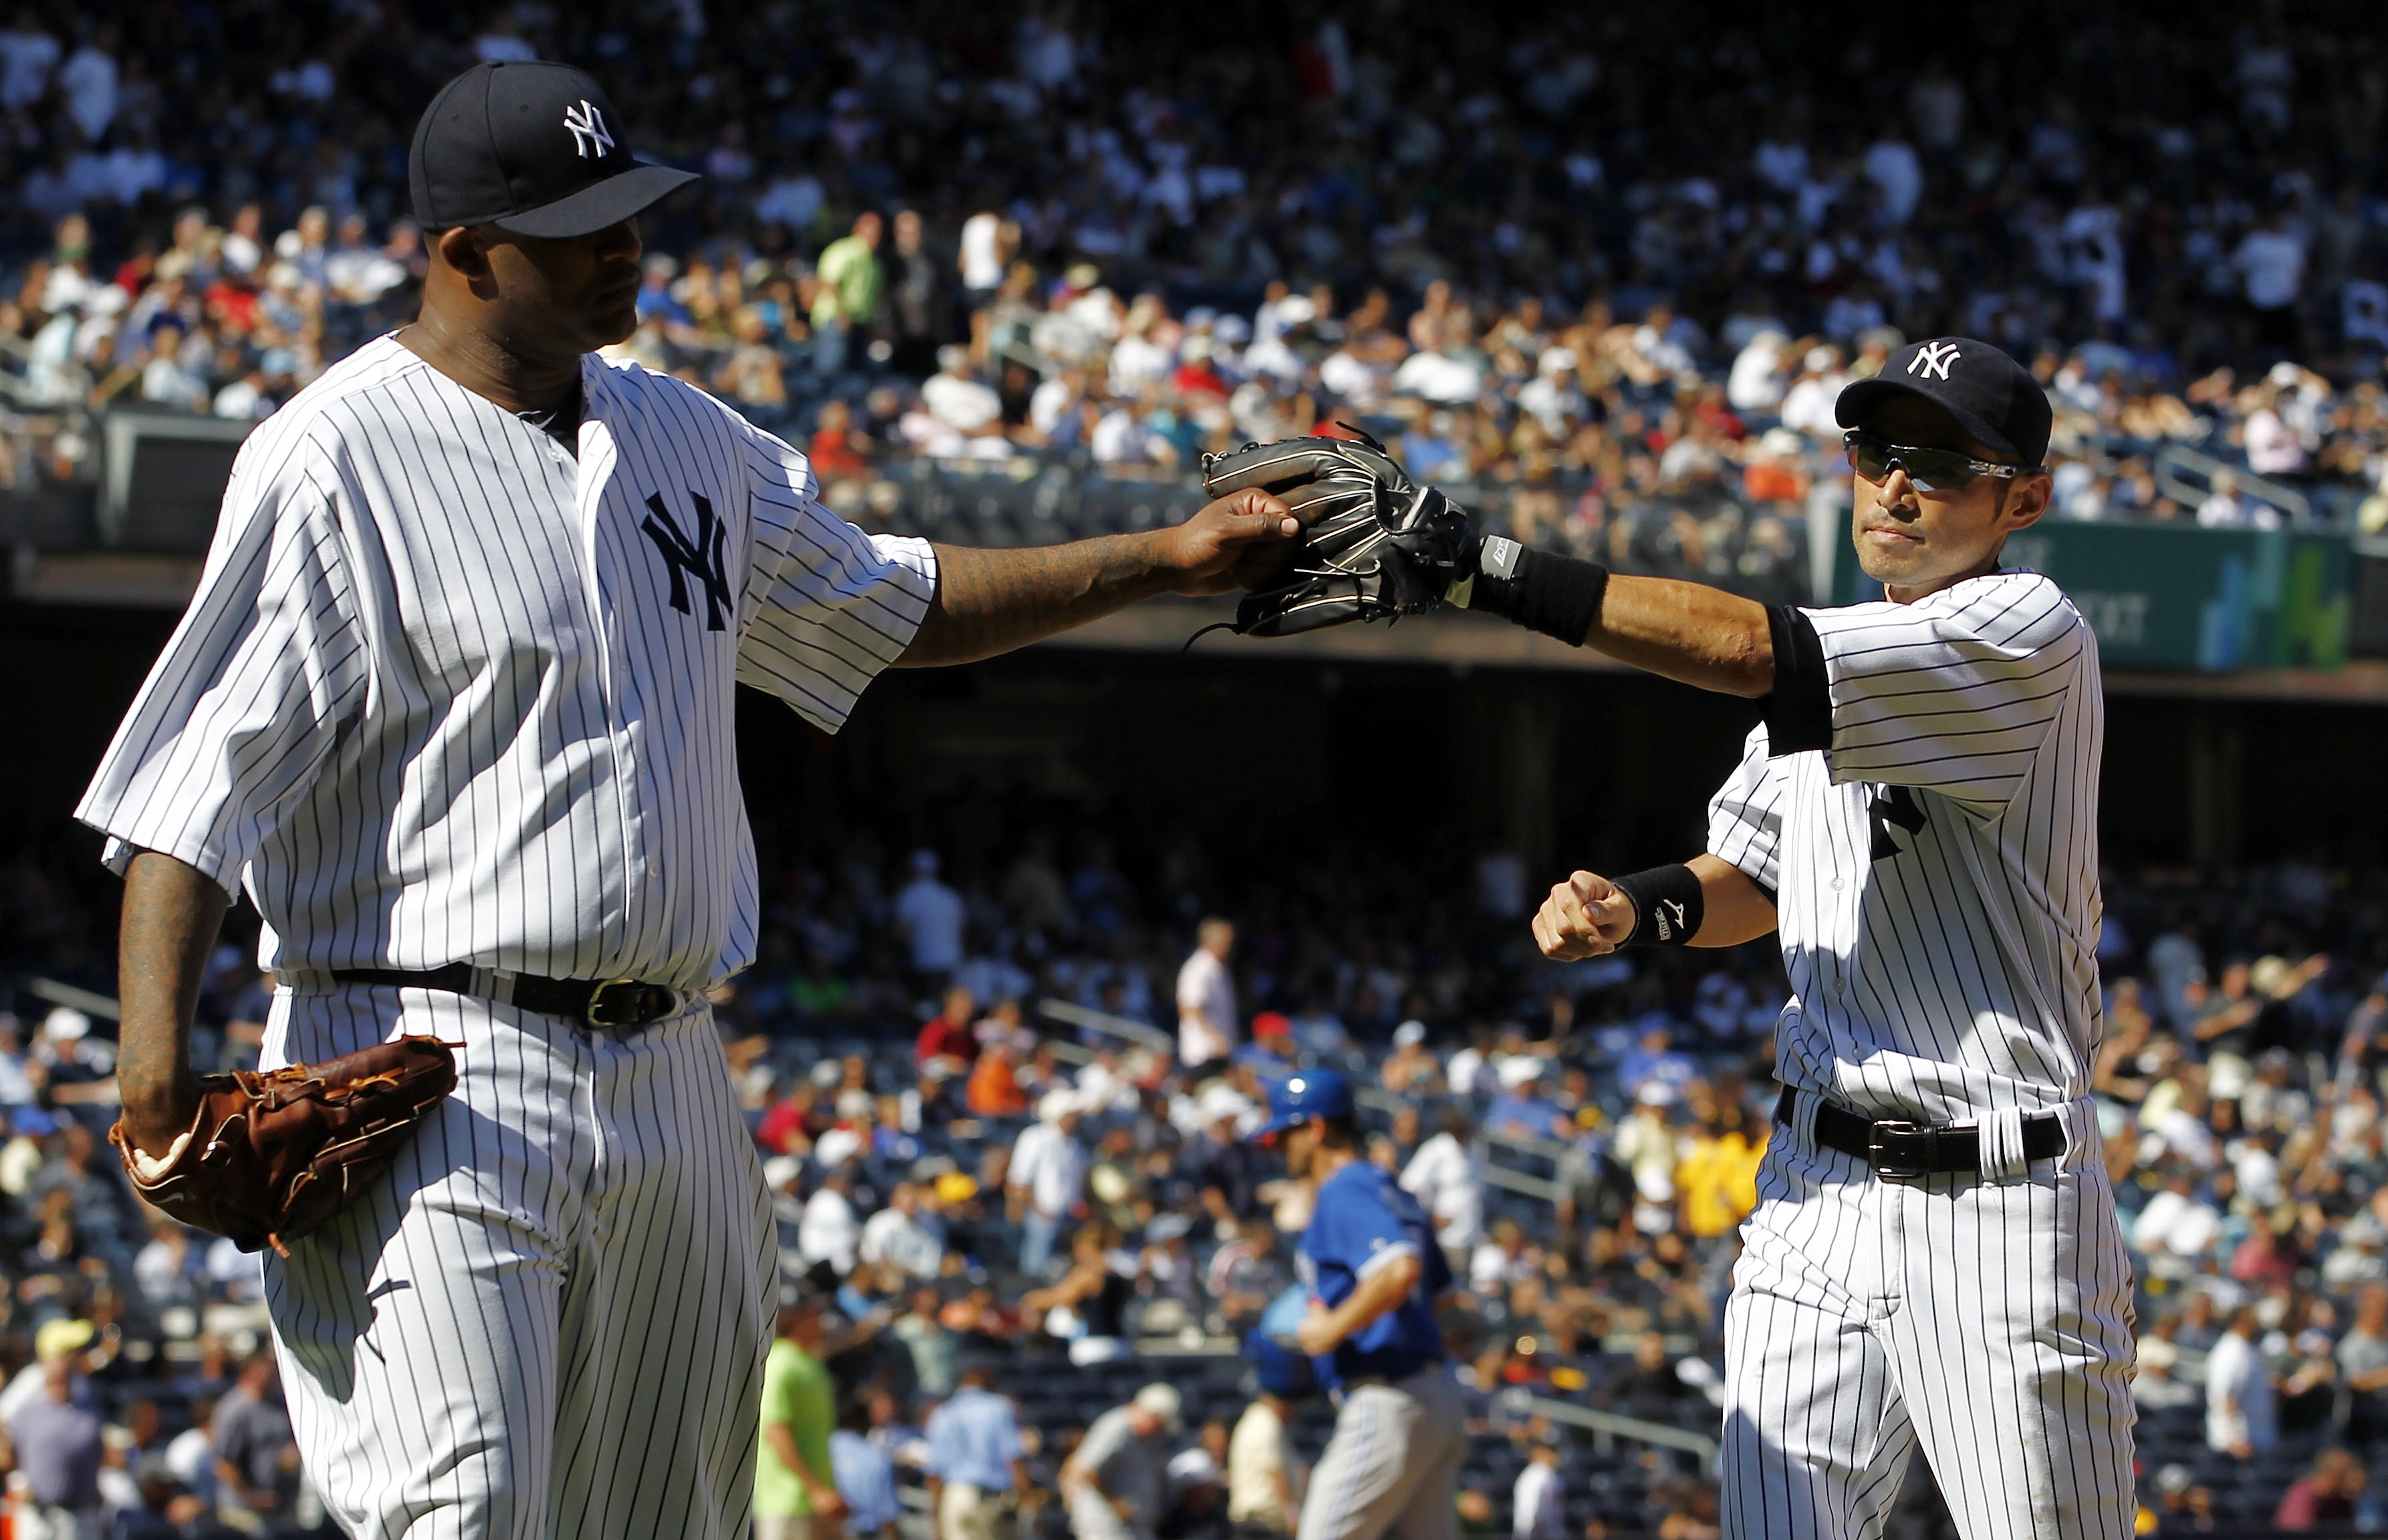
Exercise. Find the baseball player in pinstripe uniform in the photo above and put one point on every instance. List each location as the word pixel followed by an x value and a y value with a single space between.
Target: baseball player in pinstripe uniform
pixel 453 706
pixel 1935 1261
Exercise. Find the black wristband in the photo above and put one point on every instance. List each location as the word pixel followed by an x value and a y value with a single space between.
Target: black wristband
pixel 1558 596
pixel 1667 905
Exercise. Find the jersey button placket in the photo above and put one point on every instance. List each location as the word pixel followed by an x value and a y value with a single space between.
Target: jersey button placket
pixel 595 484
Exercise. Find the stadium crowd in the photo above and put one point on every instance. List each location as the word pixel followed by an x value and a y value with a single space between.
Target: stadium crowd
pixel 1585 269
pixel 999 1105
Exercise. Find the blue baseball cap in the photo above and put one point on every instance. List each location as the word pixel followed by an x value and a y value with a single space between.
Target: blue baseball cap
pixel 1306 1094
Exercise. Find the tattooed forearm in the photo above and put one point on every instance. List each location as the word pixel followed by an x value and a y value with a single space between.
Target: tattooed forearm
pixel 172 914
pixel 990 601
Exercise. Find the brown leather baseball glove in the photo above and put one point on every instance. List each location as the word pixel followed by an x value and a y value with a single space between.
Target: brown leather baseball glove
pixel 273 1155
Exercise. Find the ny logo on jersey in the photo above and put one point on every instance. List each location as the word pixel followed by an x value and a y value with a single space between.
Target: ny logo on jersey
pixel 1933 359
pixel 1887 805
pixel 684 559
pixel 590 140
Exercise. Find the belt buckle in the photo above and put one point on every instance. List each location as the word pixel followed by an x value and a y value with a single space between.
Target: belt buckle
pixel 1885 1169
pixel 606 1015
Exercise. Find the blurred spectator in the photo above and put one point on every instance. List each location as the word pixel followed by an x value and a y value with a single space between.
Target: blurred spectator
pixel 931 915
pixel 949 1035
pixel 865 1477
pixel 906 1235
pixel 796 1487
pixel 845 307
pixel 1448 1181
pixel 1115 1481
pixel 257 1458
pixel 829 1232
pixel 2325 1497
pixel 56 1444
pixel 1264 1476
pixel 1538 1506
pixel 1206 997
pixel 1048 1178
pixel 2240 1418
pixel 976 1474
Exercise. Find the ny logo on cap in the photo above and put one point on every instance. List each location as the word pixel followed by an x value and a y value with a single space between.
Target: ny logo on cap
pixel 589 138
pixel 1934 358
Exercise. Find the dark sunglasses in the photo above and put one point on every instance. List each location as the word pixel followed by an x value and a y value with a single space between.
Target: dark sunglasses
pixel 1931 470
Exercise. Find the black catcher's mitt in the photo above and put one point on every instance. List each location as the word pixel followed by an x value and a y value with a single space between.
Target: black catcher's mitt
pixel 1373 546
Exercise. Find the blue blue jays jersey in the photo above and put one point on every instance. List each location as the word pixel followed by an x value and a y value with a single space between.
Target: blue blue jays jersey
pixel 1362 1222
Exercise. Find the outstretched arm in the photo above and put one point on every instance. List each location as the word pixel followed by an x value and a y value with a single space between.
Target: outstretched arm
pixel 1688 632
pixel 991 601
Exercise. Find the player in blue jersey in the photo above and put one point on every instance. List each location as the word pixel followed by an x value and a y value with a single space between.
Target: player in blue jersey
pixel 1373 1269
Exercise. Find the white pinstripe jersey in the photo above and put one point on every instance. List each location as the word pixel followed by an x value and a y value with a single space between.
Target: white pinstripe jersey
pixel 449 693
pixel 1935 869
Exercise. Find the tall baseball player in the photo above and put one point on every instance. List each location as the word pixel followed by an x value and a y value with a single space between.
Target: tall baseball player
pixel 1373 1271
pixel 1935 1259
pixel 453 706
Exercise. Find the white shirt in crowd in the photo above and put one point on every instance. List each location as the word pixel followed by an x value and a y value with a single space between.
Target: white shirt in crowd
pixel 2272 264
pixel 1442 1175
pixel 903 1241
pixel 1538 1504
pixel 828 1232
pixel 1206 1009
pixel 1260 1453
pixel 2178 1223
pixel 2239 1406
pixel 931 916
pixel 981 254
pixel 1048 1162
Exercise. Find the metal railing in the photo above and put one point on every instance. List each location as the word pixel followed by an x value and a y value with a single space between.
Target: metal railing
pixel 1521 1182
pixel 1074 1015
pixel 2174 459
pixel 89 1001
pixel 1607 1427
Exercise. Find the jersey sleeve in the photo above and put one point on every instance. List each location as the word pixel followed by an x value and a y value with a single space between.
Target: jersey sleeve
pixel 243 706
pixel 1953 693
pixel 828 605
pixel 1362 1231
pixel 1745 815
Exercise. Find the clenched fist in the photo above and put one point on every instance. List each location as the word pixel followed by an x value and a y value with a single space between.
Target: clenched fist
pixel 1584 917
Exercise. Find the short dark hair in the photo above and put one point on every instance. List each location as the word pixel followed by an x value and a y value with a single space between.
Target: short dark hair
pixel 1343 1131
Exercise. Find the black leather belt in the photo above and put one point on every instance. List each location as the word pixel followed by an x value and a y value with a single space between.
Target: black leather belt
pixel 608 1005
pixel 1908 1152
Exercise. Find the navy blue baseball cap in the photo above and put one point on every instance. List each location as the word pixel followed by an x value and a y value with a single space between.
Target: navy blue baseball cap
pixel 1993 398
pixel 1306 1094
pixel 533 148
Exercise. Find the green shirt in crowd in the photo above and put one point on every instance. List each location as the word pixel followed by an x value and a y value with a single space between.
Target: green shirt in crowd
pixel 849 270
pixel 796 1391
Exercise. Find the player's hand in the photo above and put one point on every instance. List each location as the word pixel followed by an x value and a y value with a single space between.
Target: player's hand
pixel 1317 1336
pixel 1584 917
pixel 155 1115
pixel 1228 545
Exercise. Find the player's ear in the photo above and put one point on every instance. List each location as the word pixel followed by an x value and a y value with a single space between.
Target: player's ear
pixel 466 249
pixel 2025 501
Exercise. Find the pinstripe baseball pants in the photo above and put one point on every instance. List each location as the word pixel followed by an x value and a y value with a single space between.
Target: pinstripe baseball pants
pixel 549 1319
pixel 1987 1322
